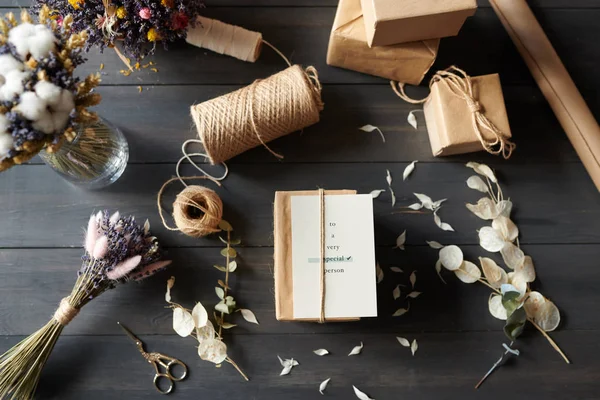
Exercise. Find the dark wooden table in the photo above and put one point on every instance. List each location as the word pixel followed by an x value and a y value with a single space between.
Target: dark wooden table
pixel 556 207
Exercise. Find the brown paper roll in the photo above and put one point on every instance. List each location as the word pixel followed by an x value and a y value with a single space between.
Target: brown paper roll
pixel 554 81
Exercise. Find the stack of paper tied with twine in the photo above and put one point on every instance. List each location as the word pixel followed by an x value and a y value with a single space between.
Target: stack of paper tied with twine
pixel 324 264
pixel 348 48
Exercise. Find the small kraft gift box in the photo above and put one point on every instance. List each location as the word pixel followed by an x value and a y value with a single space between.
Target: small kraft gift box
pixel 406 62
pixel 324 256
pixel 464 114
pixel 399 21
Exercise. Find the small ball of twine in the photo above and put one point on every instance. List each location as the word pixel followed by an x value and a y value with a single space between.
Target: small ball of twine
pixel 65 312
pixel 197 210
pixel 256 114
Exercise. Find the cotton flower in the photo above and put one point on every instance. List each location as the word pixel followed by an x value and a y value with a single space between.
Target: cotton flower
pixel 145 13
pixel 9 63
pixel 47 91
pixel 6 140
pixel 35 40
pixel 31 106
pixel 59 106
pixel 11 84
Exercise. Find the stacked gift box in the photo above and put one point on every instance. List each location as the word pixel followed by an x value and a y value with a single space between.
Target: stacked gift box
pixel 399 40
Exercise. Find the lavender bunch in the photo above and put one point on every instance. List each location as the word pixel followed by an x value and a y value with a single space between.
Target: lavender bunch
pixel 136 24
pixel 117 250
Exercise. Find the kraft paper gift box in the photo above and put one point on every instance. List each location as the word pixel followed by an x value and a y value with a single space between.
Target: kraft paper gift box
pixel 407 62
pixel 450 121
pixel 399 21
pixel 349 259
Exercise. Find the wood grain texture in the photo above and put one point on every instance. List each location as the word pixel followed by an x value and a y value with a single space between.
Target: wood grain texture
pixel 557 209
pixel 554 203
pixel 44 276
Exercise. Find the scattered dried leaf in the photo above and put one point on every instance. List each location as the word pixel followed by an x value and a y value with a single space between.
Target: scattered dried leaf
pixel 388 177
pixel 396 269
pixel 483 169
pixel 370 128
pixel 375 193
pixel 170 284
pixel 356 350
pixel 400 240
pixel 404 342
pixel 199 315
pixel 442 225
pixel 249 316
pixel 412 119
pixel 416 206
pixel 425 200
pixel 360 395
pixel 476 183
pixel 413 294
pixel 396 292
pixel 413 279
pixel 399 312
pixel 468 272
pixel 438 270
pixel 408 170
pixel 434 245
pixel 323 385
pixel 321 352
pixel 414 346
pixel 379 273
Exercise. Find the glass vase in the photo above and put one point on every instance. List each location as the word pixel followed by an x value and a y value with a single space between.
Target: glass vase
pixel 94 159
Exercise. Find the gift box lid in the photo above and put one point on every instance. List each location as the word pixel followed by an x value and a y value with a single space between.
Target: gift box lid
pixel 398 21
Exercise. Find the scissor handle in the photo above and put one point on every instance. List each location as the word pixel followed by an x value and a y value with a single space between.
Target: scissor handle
pixel 172 362
pixel 158 377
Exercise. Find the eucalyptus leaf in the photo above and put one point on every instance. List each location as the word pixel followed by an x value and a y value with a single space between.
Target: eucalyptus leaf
pixel 183 323
pixel 220 292
pixel 232 266
pixel 220 268
pixel 511 302
pixel 222 307
pixel 226 226
pixel 515 324
pixel 229 252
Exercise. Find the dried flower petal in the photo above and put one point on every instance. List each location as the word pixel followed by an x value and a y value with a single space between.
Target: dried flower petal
pixel 399 312
pixel 413 294
pixel 416 206
pixel 396 269
pixel 527 270
pixel 442 225
pixel 388 177
pixel 413 279
pixel 506 227
pixel 425 200
pixel 170 284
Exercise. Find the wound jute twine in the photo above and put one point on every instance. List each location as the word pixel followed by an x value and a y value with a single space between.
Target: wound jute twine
pixel 65 312
pixel 460 84
pixel 322 255
pixel 256 114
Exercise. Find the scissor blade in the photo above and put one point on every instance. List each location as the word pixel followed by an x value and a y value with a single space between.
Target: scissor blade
pixel 129 333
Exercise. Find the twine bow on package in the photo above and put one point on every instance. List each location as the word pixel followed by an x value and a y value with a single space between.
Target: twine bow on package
pixel 324 256
pixel 464 114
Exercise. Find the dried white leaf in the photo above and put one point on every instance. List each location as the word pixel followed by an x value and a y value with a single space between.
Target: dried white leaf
pixel 438 269
pixel 396 292
pixel 414 346
pixel 249 316
pixel 534 303
pixel 283 364
pixel 293 362
pixel 425 200
pixel 483 169
pixel 399 312
pixel 388 177
pixel 476 183
pixel 393 195
pixel 356 350
pixel 360 395
pixel 404 342
pixel 370 128
pixel 416 206
pixel 170 284
pixel 506 227
pixel 400 240
pixel 321 352
pixel 413 279
pixel 496 308
pixel 468 272
pixel 323 385
pixel 375 193
pixel 504 208
pixel 206 332
pixel 413 294
pixel 232 266
pixel 222 307
pixel 451 257
pixel 442 225
pixel 396 269
pixel 408 170
pixel 490 239
pixel 286 370
pixel 213 350
pixel 527 270
pixel 495 275
pixel 485 208
pixel 436 204
pixel 512 255
pixel 379 273
pixel 183 323
pixel 199 315
pixel 434 245
pixel 548 318
pixel 517 283
pixel 220 292
pixel 412 119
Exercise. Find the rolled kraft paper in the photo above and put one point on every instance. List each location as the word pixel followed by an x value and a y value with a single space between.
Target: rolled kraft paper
pixel 256 114
pixel 554 81
pixel 225 39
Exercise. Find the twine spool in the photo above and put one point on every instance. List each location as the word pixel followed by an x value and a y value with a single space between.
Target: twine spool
pixel 65 312
pixel 197 210
pixel 225 39
pixel 256 114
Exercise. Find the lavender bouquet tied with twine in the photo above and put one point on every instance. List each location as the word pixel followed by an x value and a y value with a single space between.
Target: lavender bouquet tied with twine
pixel 117 250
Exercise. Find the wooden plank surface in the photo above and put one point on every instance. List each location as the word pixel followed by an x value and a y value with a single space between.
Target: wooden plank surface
pixel 557 209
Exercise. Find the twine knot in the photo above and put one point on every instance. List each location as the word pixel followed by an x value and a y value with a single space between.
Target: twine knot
pixel 460 84
pixel 65 312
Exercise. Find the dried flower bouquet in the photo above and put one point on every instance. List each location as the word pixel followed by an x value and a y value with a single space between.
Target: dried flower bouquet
pixel 117 250
pixel 41 100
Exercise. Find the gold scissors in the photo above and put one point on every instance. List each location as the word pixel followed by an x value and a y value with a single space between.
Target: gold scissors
pixel 158 359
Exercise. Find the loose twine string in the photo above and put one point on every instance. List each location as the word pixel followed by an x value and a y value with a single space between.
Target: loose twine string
pixel 460 84
pixel 322 255
pixel 65 312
